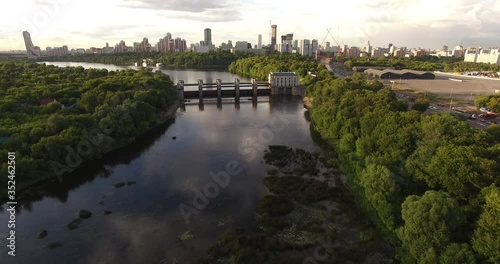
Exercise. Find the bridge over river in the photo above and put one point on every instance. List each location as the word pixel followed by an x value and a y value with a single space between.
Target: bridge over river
pixel 234 90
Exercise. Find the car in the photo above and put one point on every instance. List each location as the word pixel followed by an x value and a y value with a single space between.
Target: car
pixel 473 116
pixel 484 109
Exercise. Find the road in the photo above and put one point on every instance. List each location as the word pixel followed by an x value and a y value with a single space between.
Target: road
pixel 477 123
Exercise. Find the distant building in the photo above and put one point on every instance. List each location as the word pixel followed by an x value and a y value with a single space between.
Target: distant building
pixel 121 47
pixel 208 37
pixel 399 74
pixel 286 45
pixel 418 53
pixel 179 45
pixel 166 44
pixel 201 49
pixel 284 79
pixel 480 55
pixel 259 41
pixel 253 51
pixel 296 45
pixel 305 49
pixel 352 52
pixel 399 52
pixel 458 51
pixel 471 55
pixel 489 56
pixel 144 46
pixel 378 52
pixel 241 45
pixel 274 32
pixel 314 46
pixel 31 50
pixel 391 48
pixel 368 48
pixel 56 51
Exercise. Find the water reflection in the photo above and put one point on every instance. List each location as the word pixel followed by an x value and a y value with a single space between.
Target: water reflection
pixel 91 170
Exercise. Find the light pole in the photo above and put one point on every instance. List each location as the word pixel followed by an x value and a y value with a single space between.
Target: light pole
pixel 451 97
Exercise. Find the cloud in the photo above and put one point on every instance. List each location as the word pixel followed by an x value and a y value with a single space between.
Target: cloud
pixel 195 6
pixel 213 15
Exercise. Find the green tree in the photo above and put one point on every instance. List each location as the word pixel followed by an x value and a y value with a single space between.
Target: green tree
pixel 381 191
pixel 421 105
pixel 429 223
pixel 486 238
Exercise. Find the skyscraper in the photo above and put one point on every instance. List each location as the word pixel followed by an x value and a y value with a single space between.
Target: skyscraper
pixel 313 47
pixel 259 42
pixel 305 47
pixel 208 37
pixel 31 51
pixel 274 33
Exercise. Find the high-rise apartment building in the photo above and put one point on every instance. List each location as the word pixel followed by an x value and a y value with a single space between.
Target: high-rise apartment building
pixel 286 43
pixel 479 55
pixel 305 47
pixel 314 46
pixel 259 42
pixel 208 37
pixel 121 47
pixel 144 46
pixel 274 32
pixel 31 50
pixel 180 45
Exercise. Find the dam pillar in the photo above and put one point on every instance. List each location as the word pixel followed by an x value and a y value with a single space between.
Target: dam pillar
pixel 255 86
pixel 180 91
pixel 237 89
pixel 200 88
pixel 219 89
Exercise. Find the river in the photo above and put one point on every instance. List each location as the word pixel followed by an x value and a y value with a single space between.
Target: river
pixel 188 76
pixel 167 169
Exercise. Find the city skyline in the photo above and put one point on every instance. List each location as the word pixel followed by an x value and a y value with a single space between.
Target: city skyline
pixel 414 24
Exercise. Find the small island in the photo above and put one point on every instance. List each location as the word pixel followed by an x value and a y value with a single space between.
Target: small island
pixel 56 118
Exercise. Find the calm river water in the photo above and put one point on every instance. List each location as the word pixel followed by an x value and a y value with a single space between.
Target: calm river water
pixel 167 169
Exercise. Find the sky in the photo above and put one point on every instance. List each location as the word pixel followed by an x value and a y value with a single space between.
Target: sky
pixel 406 23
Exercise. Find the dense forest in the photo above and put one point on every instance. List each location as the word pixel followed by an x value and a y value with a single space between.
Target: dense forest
pixel 427 63
pixel 219 58
pixel 259 67
pixel 429 182
pixel 56 118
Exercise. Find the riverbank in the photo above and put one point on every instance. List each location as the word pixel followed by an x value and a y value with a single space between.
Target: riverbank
pixel 308 102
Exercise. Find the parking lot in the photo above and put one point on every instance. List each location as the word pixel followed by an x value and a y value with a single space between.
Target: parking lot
pixel 463 91
pixel 477 122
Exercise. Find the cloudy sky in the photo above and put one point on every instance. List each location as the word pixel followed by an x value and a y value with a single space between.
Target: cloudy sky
pixel 411 23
